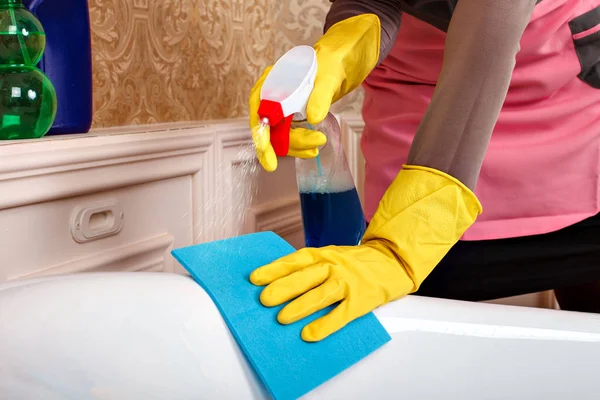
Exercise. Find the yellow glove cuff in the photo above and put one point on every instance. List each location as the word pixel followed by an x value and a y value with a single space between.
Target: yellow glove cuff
pixel 422 215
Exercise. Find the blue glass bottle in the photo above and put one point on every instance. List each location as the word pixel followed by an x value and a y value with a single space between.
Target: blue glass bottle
pixel 67 61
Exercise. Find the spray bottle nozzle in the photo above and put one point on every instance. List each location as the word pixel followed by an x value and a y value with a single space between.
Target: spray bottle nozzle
pixel 271 112
pixel 285 92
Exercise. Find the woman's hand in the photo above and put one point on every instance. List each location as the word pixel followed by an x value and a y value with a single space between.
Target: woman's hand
pixel 346 54
pixel 422 215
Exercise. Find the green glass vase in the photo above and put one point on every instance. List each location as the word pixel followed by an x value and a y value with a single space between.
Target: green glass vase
pixel 27 97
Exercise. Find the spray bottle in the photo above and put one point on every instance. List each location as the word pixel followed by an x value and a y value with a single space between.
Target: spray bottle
pixel 331 210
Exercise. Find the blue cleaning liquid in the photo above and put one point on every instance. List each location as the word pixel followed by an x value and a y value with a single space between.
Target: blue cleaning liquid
pixel 332 218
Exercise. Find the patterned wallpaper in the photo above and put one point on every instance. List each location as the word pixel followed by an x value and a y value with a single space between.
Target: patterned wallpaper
pixel 181 60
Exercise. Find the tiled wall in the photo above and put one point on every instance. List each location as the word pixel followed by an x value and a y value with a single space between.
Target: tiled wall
pixel 181 60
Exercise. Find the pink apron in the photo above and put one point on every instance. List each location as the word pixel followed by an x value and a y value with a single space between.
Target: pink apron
pixel 541 171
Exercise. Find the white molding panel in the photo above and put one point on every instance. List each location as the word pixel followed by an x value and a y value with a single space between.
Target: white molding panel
pixel 32 172
pixel 146 255
pixel 281 216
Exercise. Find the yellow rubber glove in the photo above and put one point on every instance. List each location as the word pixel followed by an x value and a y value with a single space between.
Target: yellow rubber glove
pixel 422 215
pixel 346 55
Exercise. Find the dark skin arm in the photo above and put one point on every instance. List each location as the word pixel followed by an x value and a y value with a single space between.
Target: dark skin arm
pixel 479 57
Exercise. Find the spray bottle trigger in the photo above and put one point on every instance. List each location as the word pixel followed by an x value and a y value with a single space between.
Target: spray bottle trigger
pixel 280 125
pixel 280 136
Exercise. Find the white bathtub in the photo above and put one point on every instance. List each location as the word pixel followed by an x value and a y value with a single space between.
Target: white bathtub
pixel 158 336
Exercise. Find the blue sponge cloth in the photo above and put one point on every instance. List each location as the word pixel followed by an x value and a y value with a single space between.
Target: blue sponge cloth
pixel 287 366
